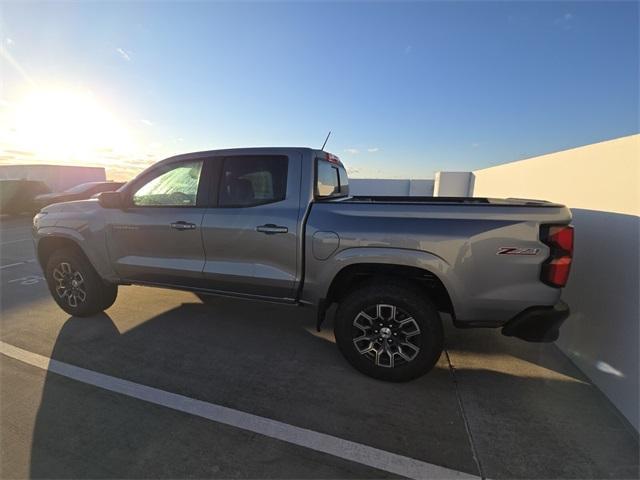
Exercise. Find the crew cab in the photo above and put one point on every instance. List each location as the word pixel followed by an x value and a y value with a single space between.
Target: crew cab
pixel 279 224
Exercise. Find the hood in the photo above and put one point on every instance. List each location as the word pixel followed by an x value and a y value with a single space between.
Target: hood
pixel 74 206
pixel 48 196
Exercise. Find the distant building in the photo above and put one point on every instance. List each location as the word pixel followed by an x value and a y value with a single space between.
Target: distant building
pixel 57 177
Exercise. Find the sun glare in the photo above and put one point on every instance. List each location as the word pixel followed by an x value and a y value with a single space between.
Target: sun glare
pixel 67 125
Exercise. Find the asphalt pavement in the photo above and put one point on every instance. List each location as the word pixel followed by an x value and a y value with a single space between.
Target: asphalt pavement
pixel 163 385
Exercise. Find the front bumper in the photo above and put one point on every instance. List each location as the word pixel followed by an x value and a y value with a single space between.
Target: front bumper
pixel 538 324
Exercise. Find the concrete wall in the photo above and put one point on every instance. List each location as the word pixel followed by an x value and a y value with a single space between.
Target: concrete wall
pixel 57 177
pixel 421 188
pixel 452 184
pixel 601 184
pixel 390 187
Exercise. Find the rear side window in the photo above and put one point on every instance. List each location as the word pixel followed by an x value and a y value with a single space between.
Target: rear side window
pixel 251 181
pixel 331 180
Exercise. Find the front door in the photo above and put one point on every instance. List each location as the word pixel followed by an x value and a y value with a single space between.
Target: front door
pixel 157 237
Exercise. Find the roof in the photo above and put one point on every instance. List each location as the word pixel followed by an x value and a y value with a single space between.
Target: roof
pixel 243 151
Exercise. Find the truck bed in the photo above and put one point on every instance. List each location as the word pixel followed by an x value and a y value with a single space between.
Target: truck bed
pixel 458 239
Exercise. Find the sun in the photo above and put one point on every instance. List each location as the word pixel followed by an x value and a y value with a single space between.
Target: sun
pixel 66 125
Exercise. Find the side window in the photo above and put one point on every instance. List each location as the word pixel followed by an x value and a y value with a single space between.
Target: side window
pixel 176 187
pixel 344 181
pixel 250 181
pixel 331 180
pixel 327 183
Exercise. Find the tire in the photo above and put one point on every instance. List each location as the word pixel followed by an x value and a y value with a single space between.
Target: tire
pixel 405 348
pixel 89 295
pixel 109 295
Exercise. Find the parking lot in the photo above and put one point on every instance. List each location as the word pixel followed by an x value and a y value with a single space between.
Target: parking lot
pixel 169 386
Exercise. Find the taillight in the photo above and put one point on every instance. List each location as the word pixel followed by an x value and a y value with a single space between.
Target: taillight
pixel 555 270
pixel 561 237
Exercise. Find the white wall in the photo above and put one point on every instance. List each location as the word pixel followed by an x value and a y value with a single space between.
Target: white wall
pixel 57 177
pixel 421 188
pixel 390 187
pixel 452 184
pixel 601 184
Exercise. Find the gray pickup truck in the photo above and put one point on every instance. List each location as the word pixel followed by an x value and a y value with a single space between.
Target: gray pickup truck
pixel 278 224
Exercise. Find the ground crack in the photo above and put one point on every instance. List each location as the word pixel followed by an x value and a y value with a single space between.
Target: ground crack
pixel 467 427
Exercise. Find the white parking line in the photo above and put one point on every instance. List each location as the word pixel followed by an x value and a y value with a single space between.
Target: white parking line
pixel 28 280
pixel 15 241
pixel 11 265
pixel 320 442
pixel 18 263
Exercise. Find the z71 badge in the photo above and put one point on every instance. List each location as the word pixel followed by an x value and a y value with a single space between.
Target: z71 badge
pixel 517 251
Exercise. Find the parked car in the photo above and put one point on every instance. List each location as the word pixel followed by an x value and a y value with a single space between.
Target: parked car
pixel 79 192
pixel 278 224
pixel 17 196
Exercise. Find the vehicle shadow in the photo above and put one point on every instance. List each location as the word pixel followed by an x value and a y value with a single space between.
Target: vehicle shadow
pixel 253 357
pixel 261 359
pixel 484 344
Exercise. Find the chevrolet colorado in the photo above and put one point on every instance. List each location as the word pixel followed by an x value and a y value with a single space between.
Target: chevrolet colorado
pixel 278 224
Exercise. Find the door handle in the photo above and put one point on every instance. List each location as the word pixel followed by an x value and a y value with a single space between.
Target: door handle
pixel 271 229
pixel 181 225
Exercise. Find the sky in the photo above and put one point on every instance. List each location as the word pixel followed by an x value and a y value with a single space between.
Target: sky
pixel 407 88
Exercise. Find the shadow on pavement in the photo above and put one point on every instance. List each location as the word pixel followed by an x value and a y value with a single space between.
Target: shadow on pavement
pixel 256 358
pixel 533 414
pixel 527 421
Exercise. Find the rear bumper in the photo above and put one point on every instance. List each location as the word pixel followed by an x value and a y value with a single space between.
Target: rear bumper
pixel 538 324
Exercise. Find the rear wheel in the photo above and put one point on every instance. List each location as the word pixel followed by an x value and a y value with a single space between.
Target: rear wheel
pixel 76 286
pixel 390 332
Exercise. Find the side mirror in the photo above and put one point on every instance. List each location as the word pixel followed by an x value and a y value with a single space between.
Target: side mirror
pixel 111 200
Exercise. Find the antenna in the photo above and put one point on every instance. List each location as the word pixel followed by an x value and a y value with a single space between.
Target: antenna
pixel 326 140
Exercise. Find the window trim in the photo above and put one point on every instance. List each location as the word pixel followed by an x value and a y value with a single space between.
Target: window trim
pixel 221 170
pixel 203 183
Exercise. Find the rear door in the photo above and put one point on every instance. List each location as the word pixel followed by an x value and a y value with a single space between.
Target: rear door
pixel 250 231
pixel 158 238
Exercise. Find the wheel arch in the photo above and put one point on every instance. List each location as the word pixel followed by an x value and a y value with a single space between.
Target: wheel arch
pixel 354 275
pixel 104 292
pixel 52 243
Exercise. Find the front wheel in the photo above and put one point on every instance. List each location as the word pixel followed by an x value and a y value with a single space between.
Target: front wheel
pixel 76 286
pixel 389 332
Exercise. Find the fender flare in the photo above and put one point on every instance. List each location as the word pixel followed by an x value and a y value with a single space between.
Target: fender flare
pixel 422 260
pixel 101 266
